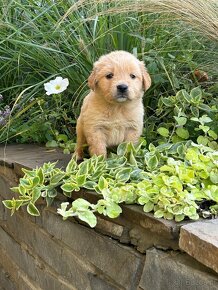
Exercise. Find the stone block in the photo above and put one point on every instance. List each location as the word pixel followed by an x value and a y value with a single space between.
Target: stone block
pixel 74 251
pixel 200 240
pixel 46 250
pixel 173 270
pixel 105 253
pixel 31 156
pixel 28 271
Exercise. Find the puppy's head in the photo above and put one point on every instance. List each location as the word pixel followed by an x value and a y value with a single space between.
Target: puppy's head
pixel 119 77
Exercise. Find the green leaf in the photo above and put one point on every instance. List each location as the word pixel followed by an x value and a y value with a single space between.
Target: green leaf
pixel 205 129
pixel 180 120
pixel 69 187
pixel 8 204
pixel 167 102
pixel 213 145
pixel 205 119
pixel 51 144
pixel 64 212
pixel 71 166
pixel 55 179
pixel 163 131
pixel 115 162
pixel 40 174
pixel 212 134
pixel 68 194
pixel 89 185
pixel 83 168
pixel 29 173
pixel 36 181
pixel 152 148
pixel 192 154
pixel 214 193
pixel 62 137
pixel 149 206
pixel 182 133
pixel 49 200
pixel 168 216
pixel 16 189
pixel 102 183
pixel 179 217
pixel 32 209
pixel 88 217
pixel 36 194
pixel 13 204
pixel 202 140
pixel 189 211
pixel 123 175
pixel 52 193
pixel 132 159
pixel 183 95
pixel 194 111
pixel 143 200
pixel 196 94
pixel 121 149
pixel 167 168
pixel 159 214
pixel 194 217
pixel 81 204
pixel 113 210
pixel 80 179
pixel 214 176
pixel 26 183
pixel 22 190
pixel 152 162
pixel 66 151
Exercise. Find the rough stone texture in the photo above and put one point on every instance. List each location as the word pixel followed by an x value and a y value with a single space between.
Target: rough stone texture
pixel 28 270
pixel 137 227
pixel 5 279
pixel 47 253
pixel 30 156
pixel 175 271
pixel 200 240
pixel 65 255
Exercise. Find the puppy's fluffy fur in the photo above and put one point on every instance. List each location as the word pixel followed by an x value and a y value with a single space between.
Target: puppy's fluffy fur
pixel 112 112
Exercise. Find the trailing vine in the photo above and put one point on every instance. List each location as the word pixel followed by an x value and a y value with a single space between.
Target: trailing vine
pixel 169 180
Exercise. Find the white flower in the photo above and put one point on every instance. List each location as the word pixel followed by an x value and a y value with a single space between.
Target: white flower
pixel 56 86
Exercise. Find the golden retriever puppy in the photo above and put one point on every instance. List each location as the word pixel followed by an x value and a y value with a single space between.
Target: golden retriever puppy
pixel 112 112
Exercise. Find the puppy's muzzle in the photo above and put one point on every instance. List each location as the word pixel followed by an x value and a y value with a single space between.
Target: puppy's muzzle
pixel 122 93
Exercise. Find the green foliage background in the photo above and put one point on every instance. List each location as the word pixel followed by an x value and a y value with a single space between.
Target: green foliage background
pixel 42 39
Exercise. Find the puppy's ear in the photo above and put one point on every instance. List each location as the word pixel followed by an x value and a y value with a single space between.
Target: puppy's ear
pixel 92 80
pixel 145 76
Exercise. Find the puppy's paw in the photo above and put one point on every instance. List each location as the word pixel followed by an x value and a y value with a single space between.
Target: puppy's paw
pixel 78 155
pixel 95 150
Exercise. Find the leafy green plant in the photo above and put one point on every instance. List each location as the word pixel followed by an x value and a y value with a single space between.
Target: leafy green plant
pixel 65 38
pixel 185 116
pixel 170 180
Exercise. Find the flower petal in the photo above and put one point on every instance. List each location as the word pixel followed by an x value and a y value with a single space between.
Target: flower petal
pixel 58 79
pixel 56 86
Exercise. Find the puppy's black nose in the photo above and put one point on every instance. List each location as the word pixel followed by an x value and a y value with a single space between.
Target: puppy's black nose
pixel 122 88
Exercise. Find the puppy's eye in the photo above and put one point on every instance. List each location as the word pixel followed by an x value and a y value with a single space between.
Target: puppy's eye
pixel 109 76
pixel 132 76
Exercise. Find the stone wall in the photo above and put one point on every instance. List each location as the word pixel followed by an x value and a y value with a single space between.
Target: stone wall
pixel 132 252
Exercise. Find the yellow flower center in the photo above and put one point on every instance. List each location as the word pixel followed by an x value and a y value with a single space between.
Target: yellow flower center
pixel 57 87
